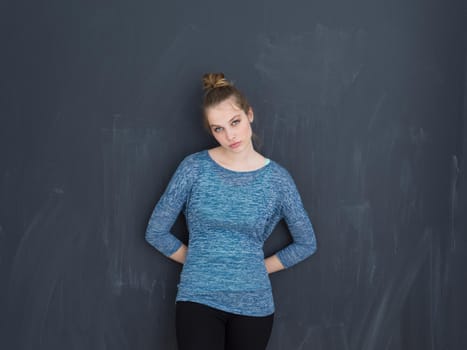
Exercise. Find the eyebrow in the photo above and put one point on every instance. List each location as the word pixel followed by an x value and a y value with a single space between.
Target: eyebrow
pixel 235 116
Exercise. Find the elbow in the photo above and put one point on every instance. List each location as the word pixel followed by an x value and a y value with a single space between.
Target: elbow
pixel 313 246
pixel 149 237
pixel 162 240
pixel 308 252
pixel 309 248
pixel 155 239
pixel 152 236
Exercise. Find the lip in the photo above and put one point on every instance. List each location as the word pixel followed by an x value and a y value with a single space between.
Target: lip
pixel 235 145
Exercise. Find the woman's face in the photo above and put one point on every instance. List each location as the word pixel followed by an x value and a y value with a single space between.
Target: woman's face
pixel 230 126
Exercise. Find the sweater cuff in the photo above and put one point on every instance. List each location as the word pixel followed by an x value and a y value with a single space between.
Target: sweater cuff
pixel 282 259
pixel 176 244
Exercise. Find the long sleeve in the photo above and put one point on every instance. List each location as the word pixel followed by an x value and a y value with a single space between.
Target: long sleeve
pixel 167 209
pixel 299 225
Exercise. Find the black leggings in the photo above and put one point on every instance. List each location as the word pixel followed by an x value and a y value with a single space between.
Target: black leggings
pixel 201 327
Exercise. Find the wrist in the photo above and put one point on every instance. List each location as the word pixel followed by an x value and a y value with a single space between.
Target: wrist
pixel 273 264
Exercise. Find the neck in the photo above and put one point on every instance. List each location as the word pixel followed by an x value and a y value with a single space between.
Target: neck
pixel 243 157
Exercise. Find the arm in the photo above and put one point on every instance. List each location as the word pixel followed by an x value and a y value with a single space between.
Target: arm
pixel 158 232
pixel 299 225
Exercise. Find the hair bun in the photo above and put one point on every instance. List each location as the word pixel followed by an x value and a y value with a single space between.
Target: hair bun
pixel 214 80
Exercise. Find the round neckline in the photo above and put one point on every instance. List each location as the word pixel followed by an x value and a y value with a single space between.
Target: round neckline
pixel 206 151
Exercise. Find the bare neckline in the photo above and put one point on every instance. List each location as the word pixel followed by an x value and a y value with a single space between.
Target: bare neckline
pixel 237 171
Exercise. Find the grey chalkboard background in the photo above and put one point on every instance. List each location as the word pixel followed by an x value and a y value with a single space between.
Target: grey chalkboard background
pixel 363 102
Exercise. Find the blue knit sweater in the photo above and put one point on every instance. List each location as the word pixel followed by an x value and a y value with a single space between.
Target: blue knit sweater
pixel 229 215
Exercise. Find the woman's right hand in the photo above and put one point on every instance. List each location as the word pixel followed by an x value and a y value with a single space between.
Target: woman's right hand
pixel 180 254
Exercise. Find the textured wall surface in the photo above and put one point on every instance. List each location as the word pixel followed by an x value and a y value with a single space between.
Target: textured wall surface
pixel 363 102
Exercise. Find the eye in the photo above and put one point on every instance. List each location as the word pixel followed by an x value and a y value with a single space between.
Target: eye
pixel 217 129
pixel 236 121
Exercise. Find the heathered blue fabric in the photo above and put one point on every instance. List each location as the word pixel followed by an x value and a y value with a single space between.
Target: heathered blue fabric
pixel 229 215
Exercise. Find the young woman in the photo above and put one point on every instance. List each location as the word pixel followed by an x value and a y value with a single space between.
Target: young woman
pixel 232 198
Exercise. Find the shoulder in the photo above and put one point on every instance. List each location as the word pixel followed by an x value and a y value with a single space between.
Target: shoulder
pixel 191 163
pixel 280 174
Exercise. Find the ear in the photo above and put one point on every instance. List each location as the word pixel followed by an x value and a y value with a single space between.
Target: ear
pixel 250 115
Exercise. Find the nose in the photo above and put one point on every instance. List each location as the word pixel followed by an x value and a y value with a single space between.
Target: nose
pixel 229 134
